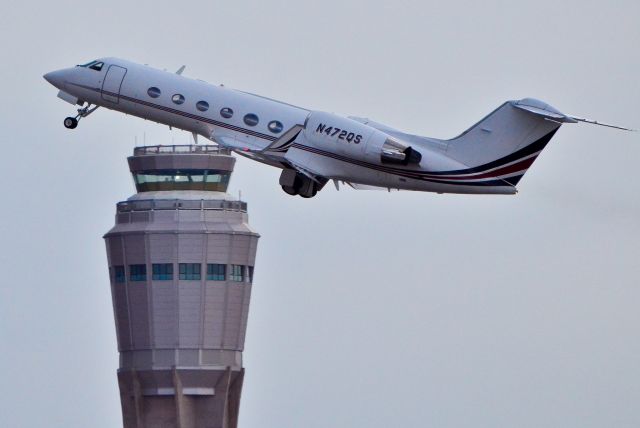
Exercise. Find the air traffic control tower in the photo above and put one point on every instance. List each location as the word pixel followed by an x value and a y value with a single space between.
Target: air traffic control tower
pixel 181 258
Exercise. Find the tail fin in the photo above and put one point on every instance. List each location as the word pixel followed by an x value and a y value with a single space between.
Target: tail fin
pixel 506 142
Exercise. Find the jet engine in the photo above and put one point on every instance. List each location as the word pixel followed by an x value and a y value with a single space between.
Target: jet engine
pixel 356 140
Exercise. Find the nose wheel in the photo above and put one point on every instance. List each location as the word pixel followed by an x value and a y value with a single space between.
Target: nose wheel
pixel 72 122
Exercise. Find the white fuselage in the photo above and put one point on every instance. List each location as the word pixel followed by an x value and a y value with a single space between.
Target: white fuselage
pixel 251 125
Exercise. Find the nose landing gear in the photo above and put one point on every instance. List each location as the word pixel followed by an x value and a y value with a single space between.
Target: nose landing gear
pixel 72 122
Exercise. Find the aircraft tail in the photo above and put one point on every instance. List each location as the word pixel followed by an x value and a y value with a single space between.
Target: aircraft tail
pixel 504 144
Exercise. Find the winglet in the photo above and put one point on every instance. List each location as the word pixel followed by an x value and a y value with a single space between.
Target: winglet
pixel 285 141
pixel 180 70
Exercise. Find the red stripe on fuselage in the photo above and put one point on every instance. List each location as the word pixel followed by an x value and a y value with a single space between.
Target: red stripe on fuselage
pixel 518 166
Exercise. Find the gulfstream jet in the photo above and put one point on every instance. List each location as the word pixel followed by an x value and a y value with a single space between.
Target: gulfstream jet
pixel 313 147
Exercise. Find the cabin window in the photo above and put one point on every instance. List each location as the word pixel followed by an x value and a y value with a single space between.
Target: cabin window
pixel 226 112
pixel 202 105
pixel 154 92
pixel 275 126
pixel 177 99
pixel 251 119
pixel 97 66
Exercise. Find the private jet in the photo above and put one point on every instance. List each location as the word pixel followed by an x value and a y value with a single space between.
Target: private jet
pixel 313 147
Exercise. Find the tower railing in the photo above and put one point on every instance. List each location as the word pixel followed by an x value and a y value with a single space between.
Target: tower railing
pixel 181 148
pixel 173 204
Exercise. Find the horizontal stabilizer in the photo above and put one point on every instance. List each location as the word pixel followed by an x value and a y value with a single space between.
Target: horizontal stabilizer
pixel 595 122
pixel 545 110
pixel 542 109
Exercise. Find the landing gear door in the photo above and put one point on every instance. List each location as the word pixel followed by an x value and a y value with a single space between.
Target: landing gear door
pixel 112 83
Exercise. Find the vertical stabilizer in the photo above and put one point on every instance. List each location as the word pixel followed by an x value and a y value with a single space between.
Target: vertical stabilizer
pixel 507 141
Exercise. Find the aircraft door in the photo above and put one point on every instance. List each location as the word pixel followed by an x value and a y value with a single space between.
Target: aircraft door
pixel 112 83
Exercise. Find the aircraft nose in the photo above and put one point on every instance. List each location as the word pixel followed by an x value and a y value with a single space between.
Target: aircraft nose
pixel 56 78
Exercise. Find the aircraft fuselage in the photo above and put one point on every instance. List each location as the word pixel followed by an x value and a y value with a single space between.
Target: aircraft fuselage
pixel 312 147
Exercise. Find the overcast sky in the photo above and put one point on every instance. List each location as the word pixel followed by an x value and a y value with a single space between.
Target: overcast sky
pixel 370 309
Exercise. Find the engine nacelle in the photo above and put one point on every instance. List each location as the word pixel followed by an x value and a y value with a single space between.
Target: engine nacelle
pixel 343 136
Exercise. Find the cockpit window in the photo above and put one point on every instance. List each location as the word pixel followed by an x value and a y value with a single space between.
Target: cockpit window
pixel 94 65
pixel 97 66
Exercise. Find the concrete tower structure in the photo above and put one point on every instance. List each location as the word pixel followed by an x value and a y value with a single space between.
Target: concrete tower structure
pixel 181 258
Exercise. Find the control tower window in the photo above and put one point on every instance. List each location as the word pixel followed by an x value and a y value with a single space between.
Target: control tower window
pixel 118 274
pixel 237 273
pixel 190 179
pixel 137 272
pixel 202 105
pixel 162 272
pixel 275 126
pixel 190 271
pixel 251 119
pixel 216 272
pixel 177 99
pixel 97 66
pixel 250 274
pixel 226 112
pixel 214 178
pixel 154 92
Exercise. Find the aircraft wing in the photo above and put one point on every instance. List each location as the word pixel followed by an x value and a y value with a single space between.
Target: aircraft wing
pixel 313 165
pixel 357 186
pixel 306 163
pixel 280 145
pixel 318 167
pixel 239 145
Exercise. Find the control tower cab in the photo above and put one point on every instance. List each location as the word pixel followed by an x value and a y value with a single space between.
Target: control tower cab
pixel 181 261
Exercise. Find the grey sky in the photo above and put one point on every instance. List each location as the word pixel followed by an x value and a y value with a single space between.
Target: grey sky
pixel 369 308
